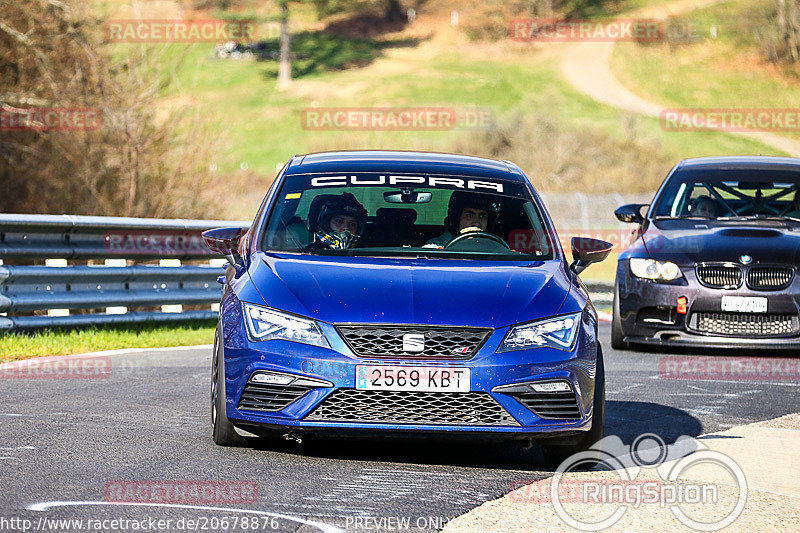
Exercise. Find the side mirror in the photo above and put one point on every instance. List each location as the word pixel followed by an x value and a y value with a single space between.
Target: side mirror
pixel 225 241
pixel 631 213
pixel 586 251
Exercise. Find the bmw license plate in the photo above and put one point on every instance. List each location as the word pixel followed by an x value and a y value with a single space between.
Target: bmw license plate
pixel 412 378
pixel 744 304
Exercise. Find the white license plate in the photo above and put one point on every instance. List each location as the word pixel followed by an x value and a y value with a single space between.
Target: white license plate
pixel 412 378
pixel 744 304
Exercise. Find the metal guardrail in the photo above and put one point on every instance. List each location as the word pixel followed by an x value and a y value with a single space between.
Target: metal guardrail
pixel 34 296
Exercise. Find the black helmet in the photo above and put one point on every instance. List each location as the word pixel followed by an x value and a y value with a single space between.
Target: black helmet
pixel 461 200
pixel 344 204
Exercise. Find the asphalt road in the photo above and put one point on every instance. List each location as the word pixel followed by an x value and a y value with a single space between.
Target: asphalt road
pixel 70 440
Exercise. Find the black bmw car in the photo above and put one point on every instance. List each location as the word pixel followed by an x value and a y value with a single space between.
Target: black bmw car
pixel 715 258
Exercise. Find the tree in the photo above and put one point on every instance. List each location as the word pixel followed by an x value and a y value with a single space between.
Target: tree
pixel 284 61
pixel 141 161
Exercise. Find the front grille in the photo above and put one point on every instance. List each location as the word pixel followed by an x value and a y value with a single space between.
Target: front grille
pixel 551 404
pixel 770 277
pixel 745 324
pixel 268 397
pixel 439 341
pixel 720 276
pixel 411 407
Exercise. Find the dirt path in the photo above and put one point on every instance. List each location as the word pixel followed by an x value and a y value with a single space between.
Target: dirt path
pixel 587 66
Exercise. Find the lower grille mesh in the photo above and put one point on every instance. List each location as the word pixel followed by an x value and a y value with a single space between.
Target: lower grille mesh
pixel 551 404
pixel 263 397
pixel 411 407
pixel 759 325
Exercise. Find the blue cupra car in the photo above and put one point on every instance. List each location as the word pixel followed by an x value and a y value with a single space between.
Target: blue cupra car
pixel 406 293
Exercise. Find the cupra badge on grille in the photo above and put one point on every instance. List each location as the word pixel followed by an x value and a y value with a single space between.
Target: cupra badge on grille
pixel 746 259
pixel 413 342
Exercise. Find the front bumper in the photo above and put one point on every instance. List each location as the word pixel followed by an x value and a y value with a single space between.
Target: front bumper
pixel 337 366
pixel 649 315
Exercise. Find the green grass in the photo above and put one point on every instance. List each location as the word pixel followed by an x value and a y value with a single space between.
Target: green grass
pixel 706 72
pixel 17 346
pixel 262 126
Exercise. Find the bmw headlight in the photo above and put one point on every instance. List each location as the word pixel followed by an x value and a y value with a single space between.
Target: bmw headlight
pixel 559 332
pixel 264 324
pixel 655 270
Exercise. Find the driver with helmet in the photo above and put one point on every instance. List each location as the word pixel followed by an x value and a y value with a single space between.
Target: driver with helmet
pixel 467 212
pixel 340 223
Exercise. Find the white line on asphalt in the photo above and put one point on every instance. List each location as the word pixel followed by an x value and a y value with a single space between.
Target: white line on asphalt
pixel 10 414
pixel 44 506
pixel 629 387
pixel 18 448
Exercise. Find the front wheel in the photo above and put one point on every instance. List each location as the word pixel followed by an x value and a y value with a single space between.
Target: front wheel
pixel 223 432
pixel 555 454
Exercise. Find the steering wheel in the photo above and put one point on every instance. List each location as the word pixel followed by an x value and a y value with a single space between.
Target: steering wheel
pixel 477 235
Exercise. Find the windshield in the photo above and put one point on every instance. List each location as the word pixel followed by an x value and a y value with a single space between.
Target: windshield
pixel 730 194
pixel 402 215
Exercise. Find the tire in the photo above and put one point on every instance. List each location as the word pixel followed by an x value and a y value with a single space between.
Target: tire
pixel 555 454
pixel 617 336
pixel 223 432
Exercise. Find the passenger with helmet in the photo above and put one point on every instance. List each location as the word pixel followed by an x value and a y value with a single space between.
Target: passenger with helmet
pixel 337 222
pixel 467 212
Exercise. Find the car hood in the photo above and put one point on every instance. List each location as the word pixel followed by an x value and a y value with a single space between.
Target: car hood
pixel 410 291
pixel 686 242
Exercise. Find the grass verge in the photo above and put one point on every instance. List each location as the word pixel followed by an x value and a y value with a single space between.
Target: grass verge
pixel 713 59
pixel 17 346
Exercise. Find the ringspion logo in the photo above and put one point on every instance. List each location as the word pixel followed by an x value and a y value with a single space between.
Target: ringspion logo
pixel 179 31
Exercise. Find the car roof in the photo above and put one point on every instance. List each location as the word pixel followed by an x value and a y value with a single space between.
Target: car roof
pixel 404 162
pixel 740 162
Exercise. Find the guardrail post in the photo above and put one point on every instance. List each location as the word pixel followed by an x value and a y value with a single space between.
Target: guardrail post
pixel 120 309
pixel 60 263
pixel 171 308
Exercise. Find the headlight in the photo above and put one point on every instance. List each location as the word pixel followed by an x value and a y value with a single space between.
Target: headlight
pixel 559 333
pixel 265 324
pixel 655 270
